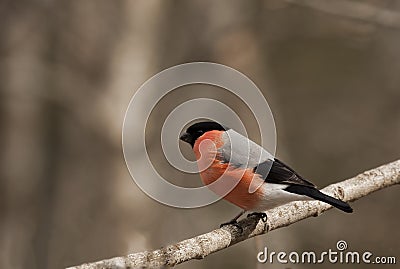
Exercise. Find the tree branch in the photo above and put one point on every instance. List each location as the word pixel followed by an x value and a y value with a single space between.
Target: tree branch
pixel 203 245
pixel 353 10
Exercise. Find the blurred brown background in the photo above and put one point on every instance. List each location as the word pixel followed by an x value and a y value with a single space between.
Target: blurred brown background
pixel 329 69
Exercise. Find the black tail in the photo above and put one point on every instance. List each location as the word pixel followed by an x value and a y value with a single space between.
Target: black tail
pixel 316 194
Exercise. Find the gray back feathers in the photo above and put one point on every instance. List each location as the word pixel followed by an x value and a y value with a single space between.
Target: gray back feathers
pixel 241 152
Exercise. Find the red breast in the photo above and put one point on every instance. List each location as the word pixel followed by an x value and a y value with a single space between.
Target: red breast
pixel 214 169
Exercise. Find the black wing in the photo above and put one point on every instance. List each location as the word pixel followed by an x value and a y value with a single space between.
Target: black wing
pixel 279 173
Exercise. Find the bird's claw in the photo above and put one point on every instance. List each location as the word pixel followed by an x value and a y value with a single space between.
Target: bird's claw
pixel 234 223
pixel 261 215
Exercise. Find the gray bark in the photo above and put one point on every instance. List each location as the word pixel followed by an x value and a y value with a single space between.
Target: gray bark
pixel 203 245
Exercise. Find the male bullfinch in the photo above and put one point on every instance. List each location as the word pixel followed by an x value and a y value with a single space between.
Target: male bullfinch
pixel 239 159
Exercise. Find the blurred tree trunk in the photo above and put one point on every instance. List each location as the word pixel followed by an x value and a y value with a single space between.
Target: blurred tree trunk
pixel 56 61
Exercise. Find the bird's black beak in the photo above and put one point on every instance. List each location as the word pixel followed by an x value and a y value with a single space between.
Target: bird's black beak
pixel 187 138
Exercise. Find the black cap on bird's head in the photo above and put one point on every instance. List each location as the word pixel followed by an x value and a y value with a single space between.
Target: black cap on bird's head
pixel 198 129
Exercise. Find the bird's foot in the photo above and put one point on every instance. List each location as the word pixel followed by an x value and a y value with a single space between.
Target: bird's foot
pixel 261 215
pixel 234 223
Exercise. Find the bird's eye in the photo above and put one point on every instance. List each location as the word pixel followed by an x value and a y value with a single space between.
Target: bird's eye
pixel 200 132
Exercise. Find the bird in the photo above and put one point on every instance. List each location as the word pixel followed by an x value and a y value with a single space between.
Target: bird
pixel 221 152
